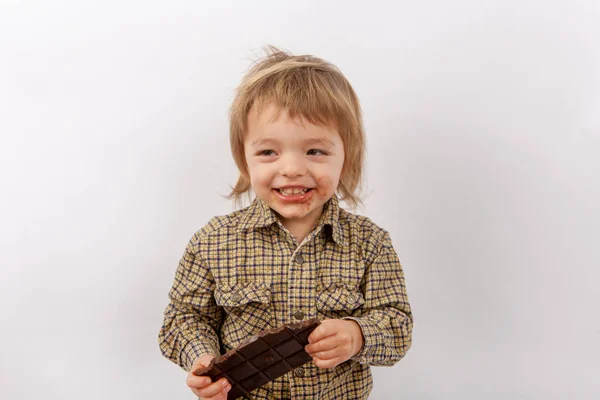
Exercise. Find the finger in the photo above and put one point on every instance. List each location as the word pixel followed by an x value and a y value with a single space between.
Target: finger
pixel 328 343
pixel 213 388
pixel 321 332
pixel 222 395
pixel 197 382
pixel 329 354
pixel 327 363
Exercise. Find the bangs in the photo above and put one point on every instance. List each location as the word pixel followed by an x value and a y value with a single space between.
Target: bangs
pixel 306 94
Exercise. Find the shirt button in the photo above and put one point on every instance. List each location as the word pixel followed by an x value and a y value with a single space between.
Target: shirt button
pixel 298 315
pixel 236 297
pixel 237 312
pixel 352 298
pixel 299 259
pixel 299 372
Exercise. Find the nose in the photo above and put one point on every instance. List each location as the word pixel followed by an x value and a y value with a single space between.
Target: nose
pixel 292 165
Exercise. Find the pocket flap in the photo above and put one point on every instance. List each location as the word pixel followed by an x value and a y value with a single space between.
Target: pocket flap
pixel 237 294
pixel 339 298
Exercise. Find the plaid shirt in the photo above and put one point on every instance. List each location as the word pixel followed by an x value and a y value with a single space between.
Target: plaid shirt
pixel 244 272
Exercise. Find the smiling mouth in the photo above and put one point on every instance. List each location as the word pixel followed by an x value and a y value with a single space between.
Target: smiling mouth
pixel 293 191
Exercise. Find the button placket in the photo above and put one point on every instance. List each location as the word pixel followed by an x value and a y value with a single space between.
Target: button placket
pixel 297 273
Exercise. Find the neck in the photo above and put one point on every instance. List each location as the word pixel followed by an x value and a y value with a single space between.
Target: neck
pixel 298 231
pixel 300 228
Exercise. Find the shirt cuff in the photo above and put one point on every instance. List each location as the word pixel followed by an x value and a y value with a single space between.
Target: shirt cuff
pixel 193 350
pixel 370 340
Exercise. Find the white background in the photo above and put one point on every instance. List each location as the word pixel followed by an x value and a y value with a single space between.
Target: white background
pixel 483 124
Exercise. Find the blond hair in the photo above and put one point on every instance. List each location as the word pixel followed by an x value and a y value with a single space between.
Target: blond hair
pixel 307 87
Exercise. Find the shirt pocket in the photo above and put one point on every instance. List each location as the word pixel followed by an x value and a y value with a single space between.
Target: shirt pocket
pixel 248 310
pixel 338 300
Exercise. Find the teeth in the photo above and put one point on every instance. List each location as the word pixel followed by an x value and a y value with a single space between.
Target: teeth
pixel 293 191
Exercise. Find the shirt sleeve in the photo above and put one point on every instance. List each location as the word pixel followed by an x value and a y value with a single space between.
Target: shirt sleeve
pixel 387 320
pixel 192 318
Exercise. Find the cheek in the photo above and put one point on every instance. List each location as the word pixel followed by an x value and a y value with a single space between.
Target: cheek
pixel 327 186
pixel 260 174
pixel 328 177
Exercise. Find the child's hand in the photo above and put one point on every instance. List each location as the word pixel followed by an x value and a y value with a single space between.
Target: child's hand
pixel 202 386
pixel 334 341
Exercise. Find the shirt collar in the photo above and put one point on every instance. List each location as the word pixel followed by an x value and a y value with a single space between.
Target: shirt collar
pixel 257 215
pixel 331 217
pixel 260 215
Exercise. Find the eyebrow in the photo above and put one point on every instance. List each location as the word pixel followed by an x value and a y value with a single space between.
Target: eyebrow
pixel 321 141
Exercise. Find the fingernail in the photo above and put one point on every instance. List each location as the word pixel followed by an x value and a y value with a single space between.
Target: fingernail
pixel 224 382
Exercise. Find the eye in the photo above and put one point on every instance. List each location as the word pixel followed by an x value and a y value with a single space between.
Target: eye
pixel 316 152
pixel 266 153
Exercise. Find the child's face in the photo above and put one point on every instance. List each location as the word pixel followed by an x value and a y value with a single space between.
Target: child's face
pixel 304 159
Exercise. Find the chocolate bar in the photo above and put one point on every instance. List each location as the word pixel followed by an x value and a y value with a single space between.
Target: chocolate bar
pixel 262 358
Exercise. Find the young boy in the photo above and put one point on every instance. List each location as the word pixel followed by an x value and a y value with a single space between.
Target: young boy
pixel 293 254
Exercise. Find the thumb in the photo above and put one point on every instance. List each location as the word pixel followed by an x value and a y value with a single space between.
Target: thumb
pixel 202 361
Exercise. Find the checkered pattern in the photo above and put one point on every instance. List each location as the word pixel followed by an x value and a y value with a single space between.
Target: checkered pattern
pixel 244 272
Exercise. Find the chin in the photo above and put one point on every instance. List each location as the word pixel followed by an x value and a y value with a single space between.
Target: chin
pixel 291 215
